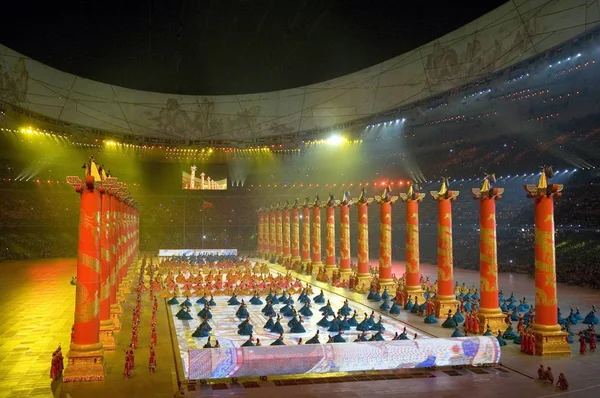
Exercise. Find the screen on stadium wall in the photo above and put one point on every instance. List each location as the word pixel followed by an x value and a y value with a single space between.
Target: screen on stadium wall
pixel 212 177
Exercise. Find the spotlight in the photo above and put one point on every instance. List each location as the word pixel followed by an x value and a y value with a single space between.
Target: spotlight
pixel 336 140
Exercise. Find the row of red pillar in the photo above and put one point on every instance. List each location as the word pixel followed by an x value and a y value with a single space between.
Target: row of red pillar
pixel 489 313
pixel 108 246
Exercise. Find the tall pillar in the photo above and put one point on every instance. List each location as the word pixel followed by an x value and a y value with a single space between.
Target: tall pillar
pixel 385 239
pixel 272 233
pixel 549 339
pixel 345 268
pixel 107 326
pixel 316 234
pixel 115 308
pixel 413 287
pixel 86 354
pixel 489 312
pixel 258 231
pixel 266 235
pixel 295 232
pixel 330 206
pixel 364 275
pixel 445 299
pixel 286 232
pixel 279 232
pixel 306 233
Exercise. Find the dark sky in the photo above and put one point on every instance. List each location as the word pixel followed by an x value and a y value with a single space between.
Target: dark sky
pixel 221 46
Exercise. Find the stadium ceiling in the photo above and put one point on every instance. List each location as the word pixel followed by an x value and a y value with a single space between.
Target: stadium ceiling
pixel 223 47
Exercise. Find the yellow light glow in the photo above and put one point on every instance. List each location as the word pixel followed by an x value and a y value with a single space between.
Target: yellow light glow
pixel 336 140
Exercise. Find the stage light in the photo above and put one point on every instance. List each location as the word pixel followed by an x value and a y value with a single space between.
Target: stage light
pixel 336 140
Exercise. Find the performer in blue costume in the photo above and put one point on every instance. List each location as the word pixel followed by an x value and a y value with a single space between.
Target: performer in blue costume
pixel 409 304
pixel 523 306
pixel 501 341
pixel 314 339
pixel 591 318
pixel 298 328
pixel 385 295
pixel 578 315
pixel 319 299
pixel 279 340
pixel 458 316
pixel 457 333
pixel 415 308
pixel 376 296
pixel 395 309
pixel 334 325
pixel 233 300
pixel 305 310
pixel 371 320
pixel 185 315
pixel 431 318
pixel 277 328
pixel 488 331
pixel 324 323
pixel 364 326
pixel 353 322
pixel 509 333
pixel 270 323
pixel 245 328
pixel 202 300
pixel 203 330
pixel 338 338
pixel 212 302
pixel 449 323
pixel 371 294
pixel 205 312
pixel 514 316
pixel 378 325
pixel 269 296
pixel 572 318
pixel 242 311
pixel 292 322
pixel 361 337
pixel 303 297
pixel 377 337
pixel 187 302
pixel 173 301
pixel 326 309
pixel 344 325
pixel 385 306
pixel 248 343
pixel 287 310
pixel 345 310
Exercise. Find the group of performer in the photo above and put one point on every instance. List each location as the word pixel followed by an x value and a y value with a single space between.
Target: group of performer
pixel 129 353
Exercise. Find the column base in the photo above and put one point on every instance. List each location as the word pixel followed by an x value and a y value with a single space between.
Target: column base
pixel 316 268
pixel 116 320
pixel 296 258
pixel 107 337
pixel 330 269
pixel 550 340
pixel 414 291
pixel 345 274
pixel 363 283
pixel 443 304
pixel 390 284
pixel 494 318
pixel 85 363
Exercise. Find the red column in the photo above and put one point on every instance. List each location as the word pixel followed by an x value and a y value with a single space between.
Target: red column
pixel 345 241
pixel 330 239
pixel 546 313
pixel 549 339
pixel 385 244
pixel 115 308
pixel 295 234
pixel 306 234
pixel 413 286
pixel 85 358
pixel 316 235
pixel 286 233
pixel 445 299
pixel 260 232
pixel 279 232
pixel 106 324
pixel 363 241
pixel 272 233
pixel 488 259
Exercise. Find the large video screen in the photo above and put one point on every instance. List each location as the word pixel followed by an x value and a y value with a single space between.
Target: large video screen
pixel 204 177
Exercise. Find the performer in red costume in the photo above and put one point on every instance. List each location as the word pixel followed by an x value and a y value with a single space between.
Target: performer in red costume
pixel 475 325
pixel 582 344
pixel 592 341
pixel 152 361
pixel 128 367
pixel 153 338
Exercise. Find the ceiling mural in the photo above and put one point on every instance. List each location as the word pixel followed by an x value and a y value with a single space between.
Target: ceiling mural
pixel 505 36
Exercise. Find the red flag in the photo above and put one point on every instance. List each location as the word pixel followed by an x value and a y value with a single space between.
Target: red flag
pixel 207 205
